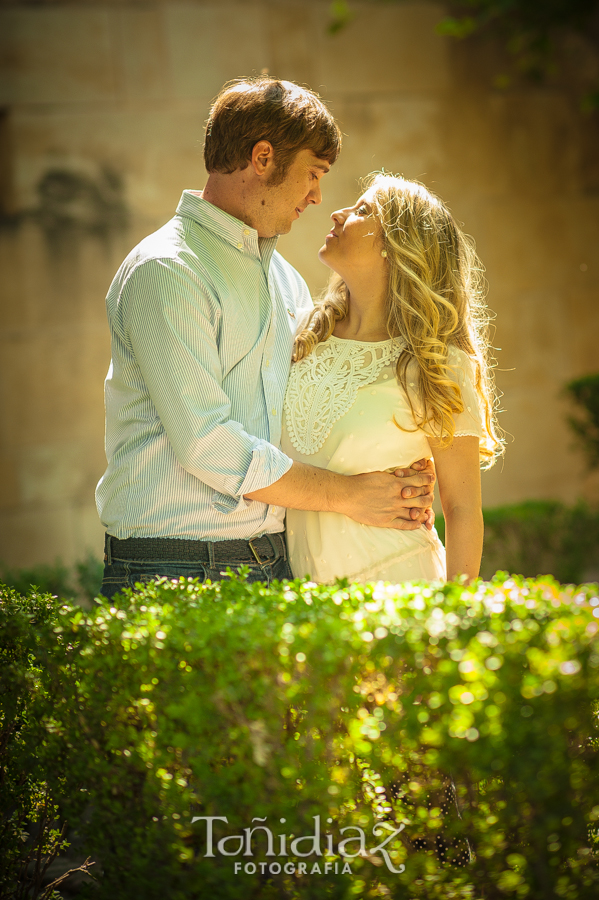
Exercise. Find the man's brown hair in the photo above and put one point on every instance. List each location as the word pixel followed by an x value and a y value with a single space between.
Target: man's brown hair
pixel 249 110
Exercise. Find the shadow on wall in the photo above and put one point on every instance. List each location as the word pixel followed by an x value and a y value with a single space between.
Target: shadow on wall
pixel 70 201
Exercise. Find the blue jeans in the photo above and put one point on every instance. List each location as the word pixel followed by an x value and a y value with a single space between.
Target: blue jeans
pixel 140 560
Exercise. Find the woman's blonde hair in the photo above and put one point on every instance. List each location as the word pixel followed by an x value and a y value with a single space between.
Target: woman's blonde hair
pixel 435 300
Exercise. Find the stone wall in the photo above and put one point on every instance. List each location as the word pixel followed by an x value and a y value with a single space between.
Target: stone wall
pixel 101 113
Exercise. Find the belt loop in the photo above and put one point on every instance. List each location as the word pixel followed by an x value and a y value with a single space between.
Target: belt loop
pixel 108 550
pixel 284 545
pixel 211 562
pixel 275 550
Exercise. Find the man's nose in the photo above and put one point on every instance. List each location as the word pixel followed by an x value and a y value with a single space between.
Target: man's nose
pixel 315 195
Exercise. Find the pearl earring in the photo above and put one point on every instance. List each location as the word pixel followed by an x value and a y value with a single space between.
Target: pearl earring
pixel 383 252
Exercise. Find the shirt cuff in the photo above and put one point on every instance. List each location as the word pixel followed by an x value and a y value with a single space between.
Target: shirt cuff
pixel 267 466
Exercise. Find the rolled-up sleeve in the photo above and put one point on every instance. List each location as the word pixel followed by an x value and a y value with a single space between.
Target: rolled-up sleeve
pixel 264 469
pixel 170 322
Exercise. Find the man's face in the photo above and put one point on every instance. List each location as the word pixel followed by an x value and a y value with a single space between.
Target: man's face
pixel 283 203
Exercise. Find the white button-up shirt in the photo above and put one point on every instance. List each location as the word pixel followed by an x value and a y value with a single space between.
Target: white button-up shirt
pixel 202 315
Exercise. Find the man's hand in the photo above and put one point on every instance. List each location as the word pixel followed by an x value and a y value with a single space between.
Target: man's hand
pixel 400 500
pixel 426 516
pixel 430 518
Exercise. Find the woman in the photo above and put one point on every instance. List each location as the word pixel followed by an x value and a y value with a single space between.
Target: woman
pixel 392 367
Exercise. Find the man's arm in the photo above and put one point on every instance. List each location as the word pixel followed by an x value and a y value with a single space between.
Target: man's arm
pixel 170 322
pixel 375 498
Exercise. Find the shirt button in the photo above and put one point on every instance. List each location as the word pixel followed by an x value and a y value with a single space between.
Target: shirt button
pixel 267 363
pixel 240 246
pixel 246 230
pixel 274 412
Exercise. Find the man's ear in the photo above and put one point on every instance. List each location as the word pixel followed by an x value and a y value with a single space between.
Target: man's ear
pixel 263 156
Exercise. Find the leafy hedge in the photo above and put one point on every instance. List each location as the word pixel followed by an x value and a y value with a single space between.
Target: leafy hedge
pixel 309 707
pixel 82 582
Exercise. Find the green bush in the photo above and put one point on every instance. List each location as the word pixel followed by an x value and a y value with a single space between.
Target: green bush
pixel 47 578
pixel 585 393
pixel 540 537
pixel 31 834
pixel 339 707
pixel 83 582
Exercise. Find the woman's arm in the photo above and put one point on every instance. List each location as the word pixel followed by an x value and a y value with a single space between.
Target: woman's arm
pixel 458 477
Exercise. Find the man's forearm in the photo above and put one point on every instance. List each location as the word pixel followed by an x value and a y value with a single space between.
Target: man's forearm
pixel 374 498
pixel 305 487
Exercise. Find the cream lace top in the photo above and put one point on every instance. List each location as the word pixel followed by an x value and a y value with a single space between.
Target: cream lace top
pixel 339 414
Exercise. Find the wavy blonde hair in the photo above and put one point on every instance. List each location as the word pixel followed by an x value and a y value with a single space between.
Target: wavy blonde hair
pixel 435 300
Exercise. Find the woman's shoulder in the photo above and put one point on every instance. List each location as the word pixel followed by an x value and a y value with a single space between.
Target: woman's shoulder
pixel 457 356
pixel 462 363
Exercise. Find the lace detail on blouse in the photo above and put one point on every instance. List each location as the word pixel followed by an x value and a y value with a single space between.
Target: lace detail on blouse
pixel 324 386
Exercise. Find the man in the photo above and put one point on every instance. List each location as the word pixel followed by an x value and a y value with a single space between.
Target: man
pixel 203 315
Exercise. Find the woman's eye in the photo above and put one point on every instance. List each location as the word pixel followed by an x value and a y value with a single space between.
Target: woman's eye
pixel 363 210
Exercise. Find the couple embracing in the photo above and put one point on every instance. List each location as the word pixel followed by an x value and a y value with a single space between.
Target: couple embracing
pixel 234 406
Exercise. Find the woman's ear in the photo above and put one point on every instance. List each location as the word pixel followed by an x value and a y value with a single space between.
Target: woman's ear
pixel 263 156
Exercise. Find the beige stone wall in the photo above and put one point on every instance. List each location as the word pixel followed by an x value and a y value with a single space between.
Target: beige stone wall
pixel 102 105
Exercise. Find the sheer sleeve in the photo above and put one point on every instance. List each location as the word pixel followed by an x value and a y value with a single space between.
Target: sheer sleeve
pixel 472 420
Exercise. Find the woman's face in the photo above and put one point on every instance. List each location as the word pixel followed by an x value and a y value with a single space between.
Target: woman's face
pixel 354 243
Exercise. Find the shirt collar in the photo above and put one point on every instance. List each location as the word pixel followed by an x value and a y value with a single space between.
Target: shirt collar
pixel 225 226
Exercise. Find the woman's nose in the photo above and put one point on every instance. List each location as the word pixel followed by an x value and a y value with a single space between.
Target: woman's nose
pixel 339 216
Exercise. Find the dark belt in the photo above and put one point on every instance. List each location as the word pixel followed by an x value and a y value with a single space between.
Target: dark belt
pixel 263 550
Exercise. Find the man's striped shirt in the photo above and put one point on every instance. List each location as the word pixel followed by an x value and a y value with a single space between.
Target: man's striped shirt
pixel 202 316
